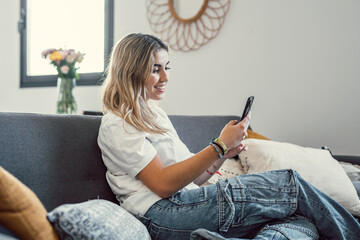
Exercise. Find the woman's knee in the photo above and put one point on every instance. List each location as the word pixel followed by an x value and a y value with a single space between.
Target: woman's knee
pixel 293 227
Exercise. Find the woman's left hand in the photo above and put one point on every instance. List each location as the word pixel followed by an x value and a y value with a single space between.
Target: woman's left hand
pixel 235 151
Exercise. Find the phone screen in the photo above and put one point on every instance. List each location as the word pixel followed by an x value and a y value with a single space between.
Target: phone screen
pixel 247 108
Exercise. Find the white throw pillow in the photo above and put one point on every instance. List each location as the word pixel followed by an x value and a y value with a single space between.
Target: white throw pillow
pixel 316 166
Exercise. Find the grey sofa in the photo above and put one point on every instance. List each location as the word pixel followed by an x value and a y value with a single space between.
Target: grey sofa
pixel 57 156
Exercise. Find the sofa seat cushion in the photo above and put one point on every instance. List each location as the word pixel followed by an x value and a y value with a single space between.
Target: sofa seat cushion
pixel 21 211
pixel 96 219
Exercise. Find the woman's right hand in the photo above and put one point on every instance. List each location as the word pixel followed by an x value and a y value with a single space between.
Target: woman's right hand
pixel 234 132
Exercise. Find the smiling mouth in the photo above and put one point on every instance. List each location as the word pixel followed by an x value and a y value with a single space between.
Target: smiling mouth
pixel 160 88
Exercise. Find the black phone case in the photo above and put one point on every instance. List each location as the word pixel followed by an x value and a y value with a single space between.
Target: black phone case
pixel 247 108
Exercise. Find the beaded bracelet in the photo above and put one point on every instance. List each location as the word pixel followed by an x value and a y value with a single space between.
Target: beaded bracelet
pixel 222 151
pixel 221 143
pixel 216 149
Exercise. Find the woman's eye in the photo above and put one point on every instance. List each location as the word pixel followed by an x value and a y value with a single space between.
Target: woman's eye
pixel 157 70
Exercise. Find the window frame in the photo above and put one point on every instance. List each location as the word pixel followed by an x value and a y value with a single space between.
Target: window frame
pixel 86 79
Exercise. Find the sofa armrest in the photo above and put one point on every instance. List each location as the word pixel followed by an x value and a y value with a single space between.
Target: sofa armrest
pixel 348 159
pixel 344 158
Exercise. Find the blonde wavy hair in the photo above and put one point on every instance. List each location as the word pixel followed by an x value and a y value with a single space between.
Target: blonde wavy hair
pixel 130 66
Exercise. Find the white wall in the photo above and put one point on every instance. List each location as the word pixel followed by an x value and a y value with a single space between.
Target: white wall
pixel 300 59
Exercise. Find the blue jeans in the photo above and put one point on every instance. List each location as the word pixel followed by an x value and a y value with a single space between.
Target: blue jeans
pixel 293 227
pixel 247 206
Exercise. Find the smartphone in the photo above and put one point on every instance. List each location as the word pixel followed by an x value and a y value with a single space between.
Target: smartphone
pixel 247 108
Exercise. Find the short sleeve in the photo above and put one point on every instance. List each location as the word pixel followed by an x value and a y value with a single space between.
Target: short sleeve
pixel 124 148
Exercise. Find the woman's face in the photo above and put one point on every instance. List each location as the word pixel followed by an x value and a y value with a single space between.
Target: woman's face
pixel 156 84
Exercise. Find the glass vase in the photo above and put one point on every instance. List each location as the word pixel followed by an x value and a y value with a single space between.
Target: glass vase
pixel 66 103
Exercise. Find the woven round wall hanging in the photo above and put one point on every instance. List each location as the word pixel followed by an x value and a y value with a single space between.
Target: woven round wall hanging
pixel 190 33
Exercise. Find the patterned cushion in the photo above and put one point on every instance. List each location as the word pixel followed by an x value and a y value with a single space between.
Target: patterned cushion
pixel 96 219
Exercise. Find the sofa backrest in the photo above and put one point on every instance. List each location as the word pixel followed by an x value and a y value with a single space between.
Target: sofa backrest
pixel 57 156
pixel 197 131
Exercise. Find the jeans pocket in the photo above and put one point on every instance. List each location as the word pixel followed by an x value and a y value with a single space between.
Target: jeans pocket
pixel 189 197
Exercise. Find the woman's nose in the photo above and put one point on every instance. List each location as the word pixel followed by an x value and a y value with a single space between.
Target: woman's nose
pixel 164 76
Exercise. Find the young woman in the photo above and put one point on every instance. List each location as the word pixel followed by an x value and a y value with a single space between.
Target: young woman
pixel 157 179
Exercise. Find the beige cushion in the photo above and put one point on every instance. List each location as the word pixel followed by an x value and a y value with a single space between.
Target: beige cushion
pixel 21 211
pixel 316 166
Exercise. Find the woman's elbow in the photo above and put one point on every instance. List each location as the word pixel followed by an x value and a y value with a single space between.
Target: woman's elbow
pixel 164 193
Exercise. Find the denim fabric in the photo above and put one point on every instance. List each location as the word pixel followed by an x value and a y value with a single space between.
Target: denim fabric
pixel 294 227
pixel 250 206
pixel 331 219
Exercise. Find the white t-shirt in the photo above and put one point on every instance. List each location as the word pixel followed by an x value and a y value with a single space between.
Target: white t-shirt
pixel 126 151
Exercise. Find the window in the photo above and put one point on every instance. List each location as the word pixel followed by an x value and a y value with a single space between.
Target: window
pixel 83 25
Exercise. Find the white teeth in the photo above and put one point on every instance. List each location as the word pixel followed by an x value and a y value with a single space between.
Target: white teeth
pixel 161 88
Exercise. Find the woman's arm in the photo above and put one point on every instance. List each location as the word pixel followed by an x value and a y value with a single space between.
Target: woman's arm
pixel 217 164
pixel 165 181
pixel 209 172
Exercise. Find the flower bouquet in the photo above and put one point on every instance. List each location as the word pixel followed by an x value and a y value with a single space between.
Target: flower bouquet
pixel 65 62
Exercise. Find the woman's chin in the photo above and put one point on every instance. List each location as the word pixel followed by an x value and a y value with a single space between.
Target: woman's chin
pixel 157 97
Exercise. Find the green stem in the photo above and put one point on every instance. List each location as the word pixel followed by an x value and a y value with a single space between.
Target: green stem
pixel 66 103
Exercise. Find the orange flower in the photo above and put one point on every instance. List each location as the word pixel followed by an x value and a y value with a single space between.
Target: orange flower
pixel 54 56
